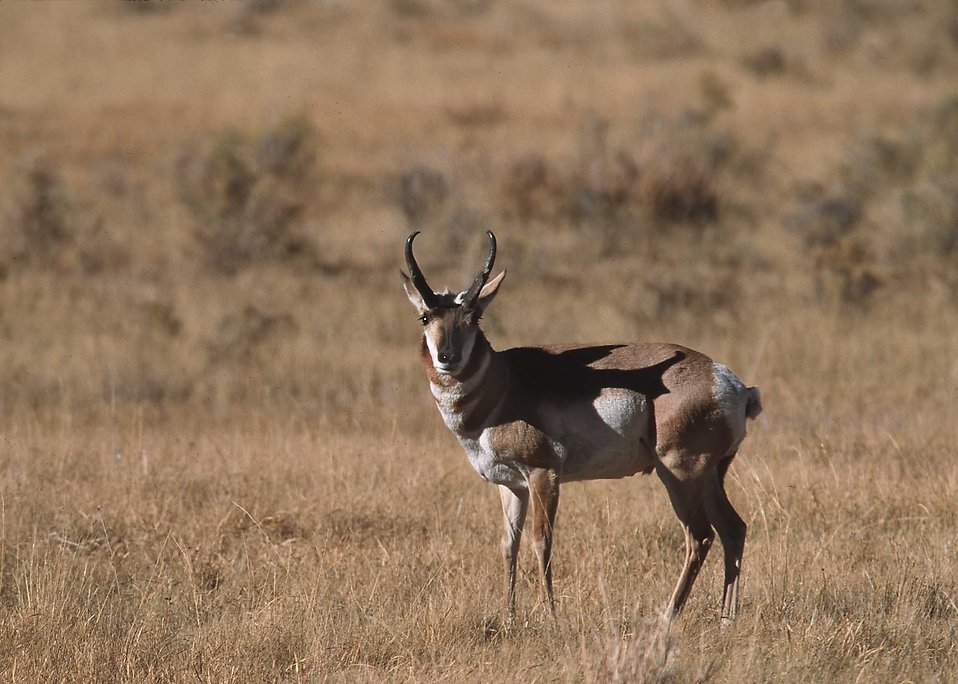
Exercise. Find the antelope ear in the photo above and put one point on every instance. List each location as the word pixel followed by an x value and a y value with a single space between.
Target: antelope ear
pixel 489 290
pixel 413 294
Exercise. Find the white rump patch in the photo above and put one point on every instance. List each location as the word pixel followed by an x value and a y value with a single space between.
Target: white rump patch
pixel 731 398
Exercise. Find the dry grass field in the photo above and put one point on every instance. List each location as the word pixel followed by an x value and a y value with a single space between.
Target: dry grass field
pixel 219 458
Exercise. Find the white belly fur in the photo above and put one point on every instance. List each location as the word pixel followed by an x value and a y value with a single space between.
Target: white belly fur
pixel 601 440
pixel 605 439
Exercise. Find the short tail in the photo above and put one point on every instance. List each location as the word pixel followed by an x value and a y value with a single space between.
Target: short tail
pixel 753 405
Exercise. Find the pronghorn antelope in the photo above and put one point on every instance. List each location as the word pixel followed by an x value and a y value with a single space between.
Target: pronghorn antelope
pixel 532 418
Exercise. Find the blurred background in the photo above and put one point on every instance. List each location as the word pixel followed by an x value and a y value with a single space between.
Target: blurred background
pixel 221 460
pixel 205 203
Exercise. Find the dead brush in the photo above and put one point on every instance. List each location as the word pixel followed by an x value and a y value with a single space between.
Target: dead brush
pixel 844 272
pixel 596 189
pixel 602 181
pixel 682 162
pixel 931 202
pixel 36 226
pixel 679 188
pixel 43 227
pixel 834 236
pixel 247 195
pixel 430 199
pixel 422 193
pixel 692 293
pixel 669 177
pixel 247 16
pixel 242 334
pixel 892 217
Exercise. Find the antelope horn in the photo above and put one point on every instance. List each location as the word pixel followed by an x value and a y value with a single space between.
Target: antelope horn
pixel 473 294
pixel 418 279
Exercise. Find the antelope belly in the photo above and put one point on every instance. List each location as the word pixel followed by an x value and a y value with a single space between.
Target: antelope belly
pixel 607 438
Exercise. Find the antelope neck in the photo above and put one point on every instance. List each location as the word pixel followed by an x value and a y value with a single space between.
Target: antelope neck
pixel 469 399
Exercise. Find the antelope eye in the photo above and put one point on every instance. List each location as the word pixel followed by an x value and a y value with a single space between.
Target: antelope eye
pixel 424 319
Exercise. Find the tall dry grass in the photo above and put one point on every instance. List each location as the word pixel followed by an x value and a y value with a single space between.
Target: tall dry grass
pixel 220 459
pixel 281 542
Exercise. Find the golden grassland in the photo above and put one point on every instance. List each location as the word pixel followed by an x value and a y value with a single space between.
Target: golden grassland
pixel 220 460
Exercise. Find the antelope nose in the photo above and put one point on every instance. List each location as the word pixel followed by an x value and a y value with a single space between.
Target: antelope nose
pixel 452 357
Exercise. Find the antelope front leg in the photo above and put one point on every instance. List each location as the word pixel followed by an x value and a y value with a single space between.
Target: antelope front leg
pixel 514 505
pixel 544 499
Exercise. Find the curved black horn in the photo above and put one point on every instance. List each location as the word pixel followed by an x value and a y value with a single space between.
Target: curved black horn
pixel 415 275
pixel 473 294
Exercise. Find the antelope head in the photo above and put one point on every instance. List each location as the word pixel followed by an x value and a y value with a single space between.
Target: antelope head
pixel 451 320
